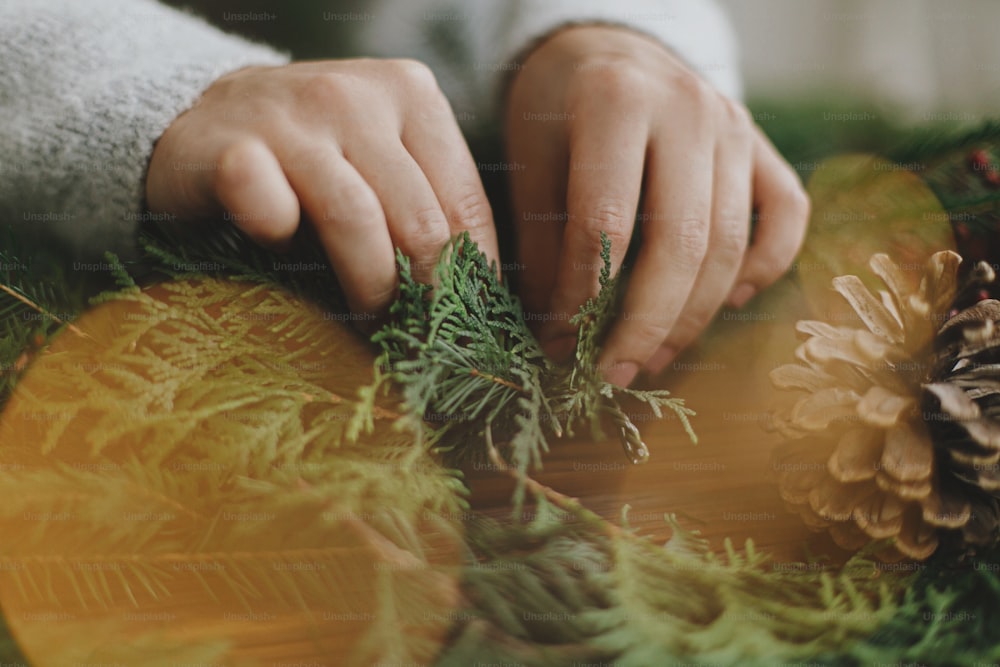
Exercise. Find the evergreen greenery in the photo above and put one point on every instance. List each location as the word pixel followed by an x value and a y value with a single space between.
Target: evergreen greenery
pixel 464 357
pixel 560 587
pixel 193 436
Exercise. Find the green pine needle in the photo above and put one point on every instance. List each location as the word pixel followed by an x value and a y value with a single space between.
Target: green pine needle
pixel 560 590
pixel 466 363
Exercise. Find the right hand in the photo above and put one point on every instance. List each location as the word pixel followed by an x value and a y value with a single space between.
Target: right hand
pixel 368 150
pixel 631 116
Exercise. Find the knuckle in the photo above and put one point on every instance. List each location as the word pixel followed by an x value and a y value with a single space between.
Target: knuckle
pixel 692 244
pixel 427 234
pixel 328 90
pixel 736 123
pixel 610 217
pixel 690 320
pixel 429 221
pixel 694 88
pixel 690 239
pixel 616 79
pixel 237 163
pixel 353 205
pixel 471 212
pixel 731 240
pixel 738 115
pixel 649 335
pixel 415 74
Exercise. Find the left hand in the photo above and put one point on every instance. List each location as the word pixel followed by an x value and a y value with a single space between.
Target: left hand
pixel 594 113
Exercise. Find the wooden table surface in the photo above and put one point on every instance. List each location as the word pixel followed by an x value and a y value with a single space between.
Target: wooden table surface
pixel 725 485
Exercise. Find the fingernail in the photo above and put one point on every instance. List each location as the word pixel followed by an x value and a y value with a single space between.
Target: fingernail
pixel 661 359
pixel 622 373
pixel 743 293
pixel 560 349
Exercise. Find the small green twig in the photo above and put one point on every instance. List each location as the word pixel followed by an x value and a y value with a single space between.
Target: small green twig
pixel 34 306
pixel 475 372
pixel 560 500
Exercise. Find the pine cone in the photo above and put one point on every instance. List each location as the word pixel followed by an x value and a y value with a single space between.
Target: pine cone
pixel 962 405
pixel 893 425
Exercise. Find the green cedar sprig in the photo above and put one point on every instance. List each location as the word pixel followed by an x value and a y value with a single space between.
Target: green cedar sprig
pixel 467 364
pixel 559 589
pixel 36 302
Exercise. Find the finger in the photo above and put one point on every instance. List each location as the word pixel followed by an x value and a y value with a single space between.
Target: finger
pixel 538 194
pixel 416 222
pixel 783 215
pixel 675 240
pixel 438 147
pixel 251 185
pixel 605 178
pixel 244 184
pixel 727 241
pixel 350 224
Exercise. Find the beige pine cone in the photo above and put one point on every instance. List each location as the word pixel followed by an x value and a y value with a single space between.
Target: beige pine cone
pixel 861 461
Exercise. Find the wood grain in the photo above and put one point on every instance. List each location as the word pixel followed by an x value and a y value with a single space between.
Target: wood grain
pixel 724 486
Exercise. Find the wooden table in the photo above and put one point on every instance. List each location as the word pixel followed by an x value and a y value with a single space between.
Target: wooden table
pixel 725 485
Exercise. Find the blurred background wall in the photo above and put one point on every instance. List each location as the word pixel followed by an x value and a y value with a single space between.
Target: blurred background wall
pixel 925 59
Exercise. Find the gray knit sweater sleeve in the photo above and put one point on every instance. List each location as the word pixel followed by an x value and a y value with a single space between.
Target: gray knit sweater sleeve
pixel 474 45
pixel 86 88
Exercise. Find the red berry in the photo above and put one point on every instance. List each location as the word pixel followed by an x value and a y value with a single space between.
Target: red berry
pixel 979 160
pixel 982 295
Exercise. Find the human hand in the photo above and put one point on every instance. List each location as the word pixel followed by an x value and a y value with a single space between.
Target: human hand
pixel 593 112
pixel 367 150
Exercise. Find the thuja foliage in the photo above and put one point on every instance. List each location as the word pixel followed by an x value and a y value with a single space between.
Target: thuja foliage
pixel 561 589
pixel 948 616
pixel 36 301
pixel 195 433
pixel 467 364
pixel 223 251
pixel 565 586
